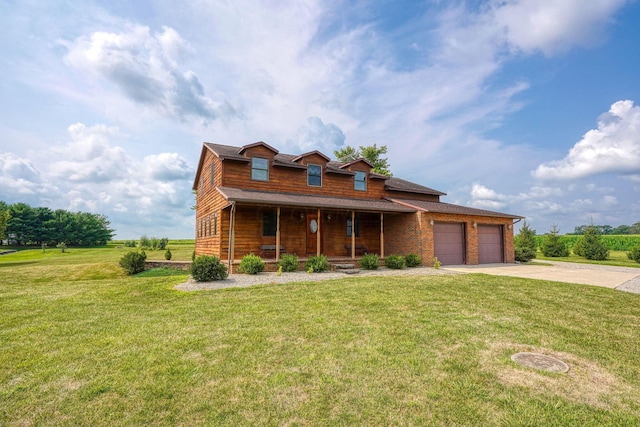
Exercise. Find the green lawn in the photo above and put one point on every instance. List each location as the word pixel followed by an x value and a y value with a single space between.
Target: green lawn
pixel 616 258
pixel 82 344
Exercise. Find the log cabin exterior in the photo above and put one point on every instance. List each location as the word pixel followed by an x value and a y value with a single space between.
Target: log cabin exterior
pixel 254 199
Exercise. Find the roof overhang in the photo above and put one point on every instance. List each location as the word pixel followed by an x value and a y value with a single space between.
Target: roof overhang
pixel 270 198
pixel 448 208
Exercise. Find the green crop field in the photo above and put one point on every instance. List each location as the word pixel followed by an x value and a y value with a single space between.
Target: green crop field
pixel 83 344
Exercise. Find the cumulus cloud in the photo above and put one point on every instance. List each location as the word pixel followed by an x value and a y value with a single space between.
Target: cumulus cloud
pixel 18 176
pixel 145 67
pixel 316 135
pixel 551 26
pixel 614 147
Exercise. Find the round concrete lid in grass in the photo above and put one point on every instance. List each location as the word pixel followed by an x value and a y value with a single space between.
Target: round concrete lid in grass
pixel 540 361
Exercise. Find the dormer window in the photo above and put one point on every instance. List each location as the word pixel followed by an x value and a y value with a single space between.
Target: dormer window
pixel 259 169
pixel 314 175
pixel 360 181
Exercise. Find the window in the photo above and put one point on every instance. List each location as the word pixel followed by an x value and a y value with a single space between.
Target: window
pixel 215 223
pixel 213 169
pixel 350 228
pixel 360 182
pixel 314 175
pixel 259 169
pixel 269 224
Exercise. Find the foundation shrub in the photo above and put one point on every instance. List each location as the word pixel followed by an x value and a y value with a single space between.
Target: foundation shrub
pixel 369 262
pixel 412 260
pixel 317 264
pixel 133 262
pixel 251 264
pixel 395 262
pixel 288 263
pixel 207 268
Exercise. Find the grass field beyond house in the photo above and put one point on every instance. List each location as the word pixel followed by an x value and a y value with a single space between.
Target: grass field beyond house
pixel 83 344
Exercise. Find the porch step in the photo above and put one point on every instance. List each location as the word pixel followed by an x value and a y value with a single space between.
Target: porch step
pixel 346 268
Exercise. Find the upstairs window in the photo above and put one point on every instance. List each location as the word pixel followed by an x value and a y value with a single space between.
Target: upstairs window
pixel 360 182
pixel 314 175
pixel 259 169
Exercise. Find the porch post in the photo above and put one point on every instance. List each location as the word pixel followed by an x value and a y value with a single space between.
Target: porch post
pixel 232 220
pixel 319 235
pixel 381 235
pixel 353 234
pixel 278 235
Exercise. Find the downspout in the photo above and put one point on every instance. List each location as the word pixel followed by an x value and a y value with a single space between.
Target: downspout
pixel 232 220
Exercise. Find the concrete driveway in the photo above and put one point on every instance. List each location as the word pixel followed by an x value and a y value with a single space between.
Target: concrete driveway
pixel 622 278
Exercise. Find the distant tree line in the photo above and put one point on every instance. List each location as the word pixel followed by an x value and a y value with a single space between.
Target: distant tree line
pixel 21 224
pixel 607 229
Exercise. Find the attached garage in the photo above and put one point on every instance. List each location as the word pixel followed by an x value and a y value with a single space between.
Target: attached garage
pixel 490 247
pixel 449 242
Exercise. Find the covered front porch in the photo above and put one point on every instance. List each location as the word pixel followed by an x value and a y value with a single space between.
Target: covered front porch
pixel 272 224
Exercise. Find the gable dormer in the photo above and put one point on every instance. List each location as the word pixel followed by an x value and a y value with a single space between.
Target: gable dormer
pixel 360 164
pixel 312 157
pixel 258 149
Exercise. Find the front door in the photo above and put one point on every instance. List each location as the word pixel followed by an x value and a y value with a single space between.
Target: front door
pixel 312 234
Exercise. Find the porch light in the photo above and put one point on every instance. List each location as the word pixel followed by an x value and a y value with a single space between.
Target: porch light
pixel 329 217
pixel 431 222
pixel 475 224
pixel 301 215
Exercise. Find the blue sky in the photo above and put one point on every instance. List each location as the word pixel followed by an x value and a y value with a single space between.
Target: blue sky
pixel 528 107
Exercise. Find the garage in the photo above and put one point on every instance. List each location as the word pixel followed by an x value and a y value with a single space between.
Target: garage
pixel 490 248
pixel 449 242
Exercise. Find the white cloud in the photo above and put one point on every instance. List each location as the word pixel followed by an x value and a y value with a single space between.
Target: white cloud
pixel 552 26
pixel 316 135
pixel 614 147
pixel 145 67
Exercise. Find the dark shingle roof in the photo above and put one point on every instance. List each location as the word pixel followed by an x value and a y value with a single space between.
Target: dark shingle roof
pixel 288 199
pixel 439 207
pixel 397 184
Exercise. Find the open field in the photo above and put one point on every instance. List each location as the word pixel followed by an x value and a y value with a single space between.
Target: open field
pixel 616 258
pixel 83 344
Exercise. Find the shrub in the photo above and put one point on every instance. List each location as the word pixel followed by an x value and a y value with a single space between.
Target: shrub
pixel 288 263
pixel 634 254
pixel 412 260
pixel 552 246
pixel 133 262
pixel 62 246
pixel 251 264
pixel 167 255
pixel 525 244
pixel 144 242
pixel 369 262
pixel 154 243
pixel 317 264
pixel 436 263
pixel 130 243
pixel 207 268
pixel 162 243
pixel 193 256
pixel 395 261
pixel 590 245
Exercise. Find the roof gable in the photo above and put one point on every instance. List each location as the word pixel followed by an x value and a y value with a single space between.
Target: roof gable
pixel 355 162
pixel 311 154
pixel 257 144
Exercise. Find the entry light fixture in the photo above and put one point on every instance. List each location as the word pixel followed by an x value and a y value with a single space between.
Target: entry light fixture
pixel 431 222
pixel 301 215
pixel 475 224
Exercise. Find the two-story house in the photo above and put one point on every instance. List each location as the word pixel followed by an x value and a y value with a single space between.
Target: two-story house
pixel 254 199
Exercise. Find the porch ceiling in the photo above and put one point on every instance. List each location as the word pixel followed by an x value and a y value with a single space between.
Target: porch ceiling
pixel 307 201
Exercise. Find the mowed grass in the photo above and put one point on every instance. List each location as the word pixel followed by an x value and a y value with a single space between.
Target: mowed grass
pixel 616 258
pixel 82 344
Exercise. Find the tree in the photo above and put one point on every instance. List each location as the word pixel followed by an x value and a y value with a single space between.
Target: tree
pixel 371 153
pixel 4 218
pixel 635 228
pixel 621 229
pixel 591 246
pixel 525 244
pixel 552 246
